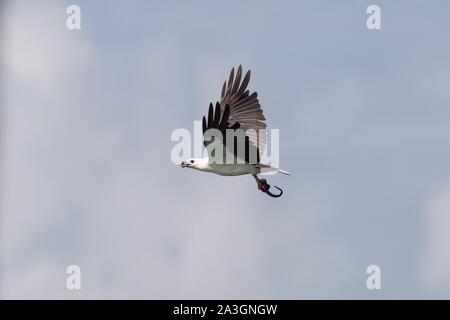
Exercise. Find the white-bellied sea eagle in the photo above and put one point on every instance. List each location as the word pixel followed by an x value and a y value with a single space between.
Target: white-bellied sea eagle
pixel 234 134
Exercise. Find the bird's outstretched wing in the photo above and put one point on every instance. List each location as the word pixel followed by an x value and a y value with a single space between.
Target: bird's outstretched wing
pixel 238 109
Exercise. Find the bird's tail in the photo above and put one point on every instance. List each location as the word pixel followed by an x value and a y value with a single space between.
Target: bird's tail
pixel 265 169
pixel 283 172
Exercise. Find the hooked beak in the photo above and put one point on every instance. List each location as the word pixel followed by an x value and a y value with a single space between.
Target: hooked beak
pixel 184 164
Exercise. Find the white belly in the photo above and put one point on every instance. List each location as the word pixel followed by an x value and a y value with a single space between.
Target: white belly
pixel 234 169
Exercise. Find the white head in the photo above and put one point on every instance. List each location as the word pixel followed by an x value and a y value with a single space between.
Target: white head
pixel 201 164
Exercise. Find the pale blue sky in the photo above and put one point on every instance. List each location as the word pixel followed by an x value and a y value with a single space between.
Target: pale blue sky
pixel 364 128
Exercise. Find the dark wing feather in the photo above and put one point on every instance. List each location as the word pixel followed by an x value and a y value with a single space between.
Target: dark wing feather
pixel 245 108
pixel 238 109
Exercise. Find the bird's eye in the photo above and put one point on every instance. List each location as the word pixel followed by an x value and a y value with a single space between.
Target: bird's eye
pixel 192 161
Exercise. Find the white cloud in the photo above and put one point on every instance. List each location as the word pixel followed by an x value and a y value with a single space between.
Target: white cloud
pixel 39 119
pixel 38 49
pixel 44 139
pixel 436 251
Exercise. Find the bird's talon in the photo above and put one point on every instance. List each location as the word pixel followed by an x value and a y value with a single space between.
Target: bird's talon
pixel 264 187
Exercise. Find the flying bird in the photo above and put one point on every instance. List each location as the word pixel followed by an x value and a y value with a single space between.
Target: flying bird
pixel 238 115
